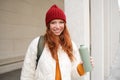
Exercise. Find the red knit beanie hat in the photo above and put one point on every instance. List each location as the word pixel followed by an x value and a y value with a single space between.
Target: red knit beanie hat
pixel 54 13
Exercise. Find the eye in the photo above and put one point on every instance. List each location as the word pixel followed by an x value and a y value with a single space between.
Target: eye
pixel 62 22
pixel 53 22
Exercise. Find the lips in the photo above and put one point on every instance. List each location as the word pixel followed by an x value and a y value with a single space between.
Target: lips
pixel 57 32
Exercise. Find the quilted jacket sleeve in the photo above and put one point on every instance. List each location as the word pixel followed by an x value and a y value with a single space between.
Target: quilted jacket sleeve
pixel 28 69
pixel 76 64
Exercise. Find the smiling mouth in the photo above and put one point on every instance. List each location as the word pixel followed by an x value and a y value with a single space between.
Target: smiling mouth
pixel 57 31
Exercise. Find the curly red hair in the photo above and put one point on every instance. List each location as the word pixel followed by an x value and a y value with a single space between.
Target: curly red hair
pixel 64 40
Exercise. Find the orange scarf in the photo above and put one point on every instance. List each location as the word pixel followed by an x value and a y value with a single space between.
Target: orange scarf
pixel 58 73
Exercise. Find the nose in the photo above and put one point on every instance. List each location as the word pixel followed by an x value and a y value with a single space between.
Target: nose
pixel 57 25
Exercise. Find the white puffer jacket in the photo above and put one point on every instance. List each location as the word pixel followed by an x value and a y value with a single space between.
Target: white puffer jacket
pixel 47 65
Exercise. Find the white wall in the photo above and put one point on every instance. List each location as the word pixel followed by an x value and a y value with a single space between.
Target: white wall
pixel 115 27
pixel 77 13
pixel 112 36
pixel 97 38
pixel 105 28
pixel 20 22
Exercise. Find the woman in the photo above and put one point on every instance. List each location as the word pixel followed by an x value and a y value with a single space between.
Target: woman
pixel 60 59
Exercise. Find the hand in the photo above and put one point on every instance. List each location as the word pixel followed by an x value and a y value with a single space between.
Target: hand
pixel 92 61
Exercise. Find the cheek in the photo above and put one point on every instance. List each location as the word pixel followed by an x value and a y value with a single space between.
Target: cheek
pixel 51 27
pixel 62 28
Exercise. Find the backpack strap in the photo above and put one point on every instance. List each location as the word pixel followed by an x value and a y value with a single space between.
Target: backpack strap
pixel 40 48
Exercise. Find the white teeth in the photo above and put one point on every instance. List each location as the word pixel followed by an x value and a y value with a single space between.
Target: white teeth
pixel 57 30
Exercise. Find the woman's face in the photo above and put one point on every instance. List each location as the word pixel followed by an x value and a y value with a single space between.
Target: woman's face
pixel 57 26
